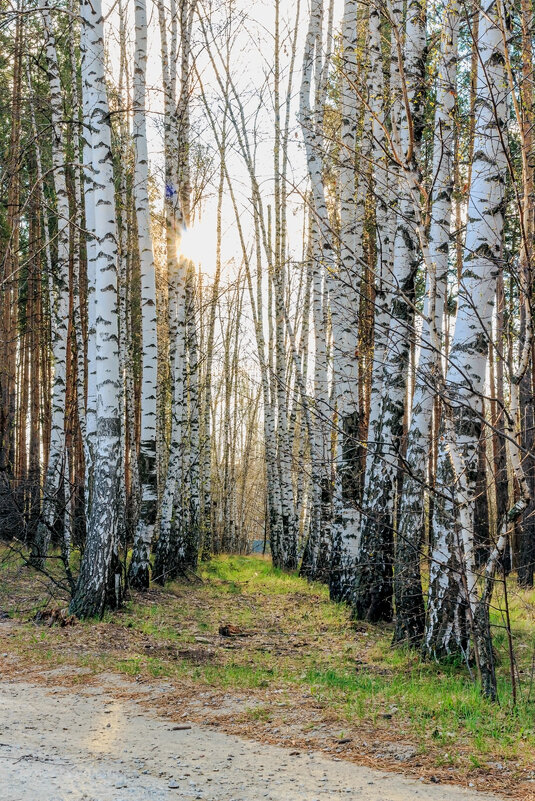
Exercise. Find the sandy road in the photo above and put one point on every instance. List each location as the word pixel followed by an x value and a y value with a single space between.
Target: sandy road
pixel 63 745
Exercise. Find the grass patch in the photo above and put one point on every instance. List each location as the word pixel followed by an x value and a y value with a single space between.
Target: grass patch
pixel 299 652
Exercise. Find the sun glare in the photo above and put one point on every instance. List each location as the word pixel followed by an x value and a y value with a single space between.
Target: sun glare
pixel 198 243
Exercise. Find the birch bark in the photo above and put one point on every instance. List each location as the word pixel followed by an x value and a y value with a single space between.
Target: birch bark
pixel 465 380
pixel 373 580
pixel 176 138
pixel 99 581
pixel 324 264
pixel 139 574
pixel 345 302
pixel 408 589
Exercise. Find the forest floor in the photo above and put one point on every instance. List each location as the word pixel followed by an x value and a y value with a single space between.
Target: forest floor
pixel 296 672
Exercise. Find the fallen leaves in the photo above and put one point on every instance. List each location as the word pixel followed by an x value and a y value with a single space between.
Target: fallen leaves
pixel 56 617
pixel 227 630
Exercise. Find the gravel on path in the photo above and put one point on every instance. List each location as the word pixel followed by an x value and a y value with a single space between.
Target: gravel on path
pixel 57 744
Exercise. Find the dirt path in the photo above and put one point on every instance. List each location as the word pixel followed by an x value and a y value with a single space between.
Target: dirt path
pixel 57 744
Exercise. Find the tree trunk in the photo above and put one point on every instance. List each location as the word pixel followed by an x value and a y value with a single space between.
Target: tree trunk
pixel 373 579
pixel 407 583
pixel 99 582
pixel 53 510
pixel 468 355
pixel 139 567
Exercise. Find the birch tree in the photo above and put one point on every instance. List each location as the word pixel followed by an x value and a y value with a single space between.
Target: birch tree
pixel 345 302
pixel 373 581
pixel 177 191
pixel 408 588
pixel 453 526
pixel 313 85
pixel 139 567
pixel 99 581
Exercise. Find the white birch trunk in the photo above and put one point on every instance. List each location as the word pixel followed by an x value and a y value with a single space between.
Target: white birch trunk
pixel 206 531
pixel 99 580
pixel 384 223
pixel 176 270
pixel 373 584
pixel 324 265
pixel 139 568
pixel 88 56
pixel 186 544
pixel 408 589
pixel 465 380
pixel 345 302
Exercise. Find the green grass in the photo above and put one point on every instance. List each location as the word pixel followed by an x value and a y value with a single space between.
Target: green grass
pixel 302 645
pixel 437 703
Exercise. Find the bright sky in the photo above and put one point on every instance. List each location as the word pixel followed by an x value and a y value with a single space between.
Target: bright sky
pixel 252 60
